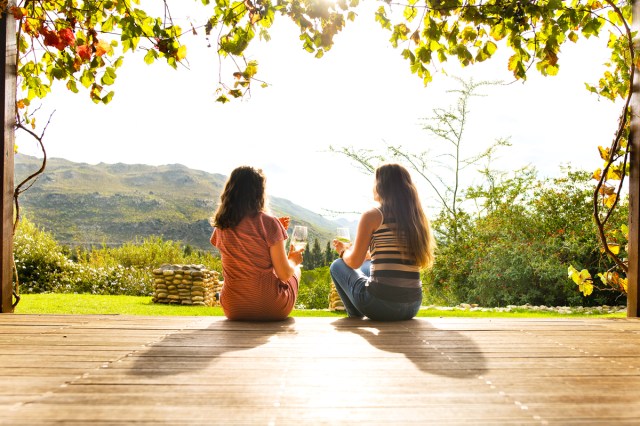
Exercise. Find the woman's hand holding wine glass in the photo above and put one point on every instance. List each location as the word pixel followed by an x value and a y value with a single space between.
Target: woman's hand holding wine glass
pixel 342 240
pixel 298 243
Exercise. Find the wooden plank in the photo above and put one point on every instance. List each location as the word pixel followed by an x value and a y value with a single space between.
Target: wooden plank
pixel 320 371
pixel 235 414
pixel 8 93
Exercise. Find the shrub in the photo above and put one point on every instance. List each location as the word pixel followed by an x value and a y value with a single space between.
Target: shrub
pixel 111 280
pixel 313 292
pixel 518 251
pixel 41 262
pixel 45 267
pixel 151 252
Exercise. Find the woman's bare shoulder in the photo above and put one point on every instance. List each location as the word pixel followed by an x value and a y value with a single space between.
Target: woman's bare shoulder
pixel 373 217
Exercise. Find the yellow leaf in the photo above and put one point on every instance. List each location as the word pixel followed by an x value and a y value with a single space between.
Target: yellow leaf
pixel 15 148
pixel 597 175
pixel 434 45
pixel 181 53
pixel 615 248
pixel 625 230
pixel 604 153
pixel 623 284
pixel 586 288
pixel 610 200
pixel 576 276
pixel 103 47
pixel 585 275
pixel 582 279
pixel 614 173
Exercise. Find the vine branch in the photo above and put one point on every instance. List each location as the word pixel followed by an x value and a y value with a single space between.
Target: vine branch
pixel 32 178
pixel 614 148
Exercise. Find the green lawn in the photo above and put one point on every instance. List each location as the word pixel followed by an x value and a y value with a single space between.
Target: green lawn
pixel 86 304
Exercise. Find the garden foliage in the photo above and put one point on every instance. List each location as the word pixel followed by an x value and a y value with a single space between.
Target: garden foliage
pixel 314 289
pixel 518 250
pixel 502 255
pixel 515 252
pixel 44 266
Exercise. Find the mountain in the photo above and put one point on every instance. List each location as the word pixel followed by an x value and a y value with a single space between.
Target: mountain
pixel 83 204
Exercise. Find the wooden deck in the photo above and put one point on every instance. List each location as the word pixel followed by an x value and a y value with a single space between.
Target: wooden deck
pixel 122 370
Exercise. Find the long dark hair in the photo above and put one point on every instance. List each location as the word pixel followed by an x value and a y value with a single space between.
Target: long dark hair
pixel 399 200
pixel 243 195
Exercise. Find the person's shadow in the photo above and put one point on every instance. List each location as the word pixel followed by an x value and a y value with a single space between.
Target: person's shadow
pixel 432 350
pixel 194 350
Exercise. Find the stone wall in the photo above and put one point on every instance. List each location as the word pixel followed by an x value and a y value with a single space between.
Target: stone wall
pixel 186 285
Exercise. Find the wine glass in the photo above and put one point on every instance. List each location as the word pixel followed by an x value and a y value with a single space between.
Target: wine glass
pixel 299 237
pixel 343 236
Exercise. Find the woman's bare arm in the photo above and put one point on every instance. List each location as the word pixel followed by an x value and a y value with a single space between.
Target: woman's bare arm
pixel 285 266
pixel 355 255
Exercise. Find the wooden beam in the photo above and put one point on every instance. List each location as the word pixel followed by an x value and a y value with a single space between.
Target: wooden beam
pixel 634 217
pixel 634 190
pixel 8 92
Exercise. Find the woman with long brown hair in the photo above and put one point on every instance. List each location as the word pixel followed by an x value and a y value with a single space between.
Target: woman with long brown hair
pixel 260 278
pixel 398 237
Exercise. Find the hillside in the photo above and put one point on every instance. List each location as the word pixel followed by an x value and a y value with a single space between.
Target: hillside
pixel 83 204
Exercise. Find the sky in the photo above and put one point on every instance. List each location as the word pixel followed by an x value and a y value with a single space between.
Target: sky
pixel 360 94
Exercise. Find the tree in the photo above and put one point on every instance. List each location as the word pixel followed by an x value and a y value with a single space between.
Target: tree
pixel 518 251
pixel 84 41
pixel 313 258
pixel 329 254
pixel 442 165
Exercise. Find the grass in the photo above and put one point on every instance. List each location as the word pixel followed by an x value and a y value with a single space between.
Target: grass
pixel 87 304
pixel 515 313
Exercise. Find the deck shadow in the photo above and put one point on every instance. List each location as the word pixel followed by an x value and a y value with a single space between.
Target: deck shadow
pixel 190 350
pixel 432 350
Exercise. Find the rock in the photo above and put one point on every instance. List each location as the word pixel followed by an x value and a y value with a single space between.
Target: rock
pixel 186 285
pixel 335 303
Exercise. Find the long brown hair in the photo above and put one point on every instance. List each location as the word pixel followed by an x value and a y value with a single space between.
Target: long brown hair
pixel 243 195
pixel 399 200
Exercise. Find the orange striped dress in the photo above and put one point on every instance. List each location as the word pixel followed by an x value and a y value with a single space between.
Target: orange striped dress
pixel 251 290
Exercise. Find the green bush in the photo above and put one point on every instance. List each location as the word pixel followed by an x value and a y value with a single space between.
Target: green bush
pixel 314 289
pixel 111 280
pixel 41 262
pixel 519 250
pixel 151 252
pixel 44 266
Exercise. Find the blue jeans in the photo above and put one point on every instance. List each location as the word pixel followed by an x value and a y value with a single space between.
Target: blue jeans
pixel 351 286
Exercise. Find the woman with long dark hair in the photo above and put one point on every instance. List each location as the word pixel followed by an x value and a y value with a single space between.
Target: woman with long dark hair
pixel 398 237
pixel 260 278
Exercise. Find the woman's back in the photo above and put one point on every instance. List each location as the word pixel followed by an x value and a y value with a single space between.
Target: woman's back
pixel 251 289
pixel 245 248
pixel 394 274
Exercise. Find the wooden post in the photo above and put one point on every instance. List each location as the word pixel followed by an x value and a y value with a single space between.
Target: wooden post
pixel 634 217
pixel 634 189
pixel 8 92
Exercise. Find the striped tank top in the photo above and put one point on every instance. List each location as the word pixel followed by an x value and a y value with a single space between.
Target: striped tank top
pixel 394 276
